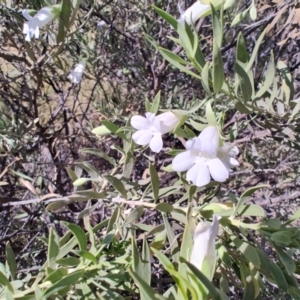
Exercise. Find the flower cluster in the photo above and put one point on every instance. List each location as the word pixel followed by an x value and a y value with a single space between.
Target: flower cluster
pixel 151 128
pixel 204 158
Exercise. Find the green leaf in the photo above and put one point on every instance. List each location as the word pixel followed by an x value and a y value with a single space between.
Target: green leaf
pixel 180 281
pixel 281 238
pixel 99 153
pixel 217 27
pixel 154 182
pixel 187 242
pixel 87 255
pixel 224 256
pixel 156 102
pixel 287 84
pixel 146 261
pixel 206 77
pixel 101 130
pixel 68 261
pixel 117 184
pixel 278 276
pixel 245 196
pixel 113 219
pixel 133 216
pixel 79 233
pixel 248 251
pixel 285 259
pixel 172 21
pixel 172 240
pixel 210 115
pixel 66 282
pixel 253 12
pixel 240 17
pixel 114 129
pixel 254 210
pixel 5 282
pixel 255 50
pixel 213 291
pixel 245 83
pixel 218 69
pixel 64 19
pixel 269 78
pixel 10 260
pixel 247 280
pixel 176 61
pixel 81 181
pixel 197 126
pixel 146 291
pixel 56 275
pixel 164 207
pixel 148 105
pixel 91 194
pixel 53 248
pixel 54 206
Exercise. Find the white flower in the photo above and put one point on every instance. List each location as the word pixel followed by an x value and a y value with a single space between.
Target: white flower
pixel 76 74
pixel 41 18
pixel 151 128
pixel 101 24
pixel 203 254
pixel 193 13
pixel 205 159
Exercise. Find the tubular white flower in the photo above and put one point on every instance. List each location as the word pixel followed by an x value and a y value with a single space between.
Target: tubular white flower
pixel 205 159
pixel 151 128
pixel 34 24
pixel 193 13
pixel 204 248
pixel 76 74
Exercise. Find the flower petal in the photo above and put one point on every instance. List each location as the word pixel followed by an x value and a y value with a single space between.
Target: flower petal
pixel 37 32
pixel 204 245
pixel 142 137
pixel 183 161
pixel 201 244
pixel 168 121
pixel 26 14
pixel 217 169
pixel 44 16
pixel 234 151
pixel 156 143
pixel 198 174
pixel 193 144
pixel 193 13
pixel 139 122
pixel 150 117
pixel 209 138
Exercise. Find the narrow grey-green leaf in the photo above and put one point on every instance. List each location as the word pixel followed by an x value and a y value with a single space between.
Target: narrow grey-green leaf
pixel 156 102
pixel 117 184
pixel 64 19
pixel 134 215
pixel 154 182
pixel 218 69
pixel 66 282
pixel 53 248
pixel 78 233
pixel 11 260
